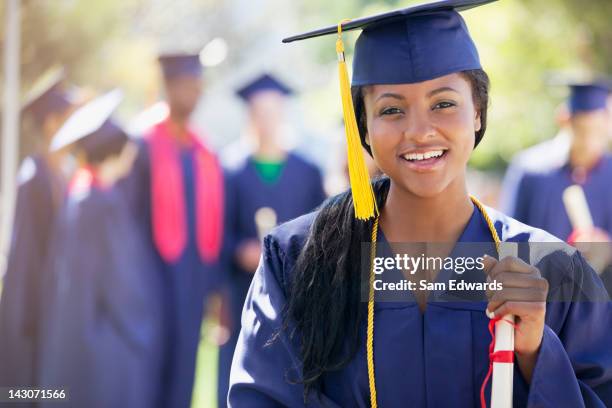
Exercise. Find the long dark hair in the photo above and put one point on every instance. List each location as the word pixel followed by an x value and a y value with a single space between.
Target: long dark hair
pixel 324 300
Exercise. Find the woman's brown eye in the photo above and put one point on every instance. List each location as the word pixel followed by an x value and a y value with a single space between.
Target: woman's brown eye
pixel 444 105
pixel 390 111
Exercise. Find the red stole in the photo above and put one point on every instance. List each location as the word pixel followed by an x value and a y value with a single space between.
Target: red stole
pixel 168 208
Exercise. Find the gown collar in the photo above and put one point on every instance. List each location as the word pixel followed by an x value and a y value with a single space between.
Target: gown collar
pixel 475 241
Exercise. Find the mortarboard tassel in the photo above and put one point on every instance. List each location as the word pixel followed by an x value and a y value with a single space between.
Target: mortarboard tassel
pixel 361 188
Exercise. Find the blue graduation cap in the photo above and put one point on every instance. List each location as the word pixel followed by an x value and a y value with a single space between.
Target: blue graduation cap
pixel 175 65
pixel 264 82
pixel 91 125
pixel 588 97
pixel 107 141
pixel 409 45
pixel 47 96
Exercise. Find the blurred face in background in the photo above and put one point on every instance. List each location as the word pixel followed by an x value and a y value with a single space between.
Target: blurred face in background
pixel 266 109
pixel 591 136
pixel 118 165
pixel 183 93
pixel 53 122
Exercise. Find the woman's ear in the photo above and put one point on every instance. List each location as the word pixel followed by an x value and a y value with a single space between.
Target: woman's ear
pixel 367 139
pixel 477 121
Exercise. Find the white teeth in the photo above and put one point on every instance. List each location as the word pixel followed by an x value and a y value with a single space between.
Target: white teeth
pixel 423 156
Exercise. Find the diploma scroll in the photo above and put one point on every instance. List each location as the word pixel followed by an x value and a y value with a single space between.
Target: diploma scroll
pixel 577 208
pixel 503 373
pixel 265 220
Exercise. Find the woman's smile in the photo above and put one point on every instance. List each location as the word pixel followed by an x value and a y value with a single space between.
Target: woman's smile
pixel 425 159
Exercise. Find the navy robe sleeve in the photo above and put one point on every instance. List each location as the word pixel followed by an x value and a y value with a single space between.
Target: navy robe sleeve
pixel 264 373
pixel 574 364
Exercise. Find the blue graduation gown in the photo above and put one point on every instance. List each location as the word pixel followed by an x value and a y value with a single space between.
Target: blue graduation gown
pixel 38 197
pixel 298 191
pixel 539 201
pixel 438 358
pixel 186 283
pixel 103 328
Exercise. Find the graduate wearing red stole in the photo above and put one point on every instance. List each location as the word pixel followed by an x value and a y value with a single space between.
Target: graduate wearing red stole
pixel 176 192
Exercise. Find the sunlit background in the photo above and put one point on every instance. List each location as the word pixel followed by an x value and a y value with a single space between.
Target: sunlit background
pixel 105 44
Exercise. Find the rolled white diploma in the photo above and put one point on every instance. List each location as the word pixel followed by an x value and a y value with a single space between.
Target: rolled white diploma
pixel 265 220
pixel 503 373
pixel 578 211
pixel 577 207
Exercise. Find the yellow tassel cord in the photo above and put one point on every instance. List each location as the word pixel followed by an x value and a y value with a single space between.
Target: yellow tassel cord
pixel 370 327
pixel 361 188
pixel 489 223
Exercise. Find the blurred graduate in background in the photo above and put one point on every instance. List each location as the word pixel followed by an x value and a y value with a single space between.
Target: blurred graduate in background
pixel 102 329
pixel 175 190
pixel 41 188
pixel 272 186
pixel 541 158
pixel 542 200
pixel 539 200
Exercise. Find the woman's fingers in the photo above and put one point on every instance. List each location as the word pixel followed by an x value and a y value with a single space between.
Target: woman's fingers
pixel 520 282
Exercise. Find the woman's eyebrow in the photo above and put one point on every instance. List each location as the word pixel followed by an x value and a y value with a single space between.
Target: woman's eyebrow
pixel 390 95
pixel 440 90
pixel 429 94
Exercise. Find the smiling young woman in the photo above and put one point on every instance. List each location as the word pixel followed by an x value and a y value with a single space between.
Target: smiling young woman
pixel 308 337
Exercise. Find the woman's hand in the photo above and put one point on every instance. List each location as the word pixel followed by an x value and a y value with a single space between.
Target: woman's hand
pixel 524 292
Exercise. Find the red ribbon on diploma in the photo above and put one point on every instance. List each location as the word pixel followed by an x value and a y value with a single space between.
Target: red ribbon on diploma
pixel 500 356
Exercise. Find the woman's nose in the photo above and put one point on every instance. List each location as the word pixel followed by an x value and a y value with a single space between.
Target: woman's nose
pixel 418 127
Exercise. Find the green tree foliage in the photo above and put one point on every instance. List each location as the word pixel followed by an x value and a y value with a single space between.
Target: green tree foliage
pixel 64 33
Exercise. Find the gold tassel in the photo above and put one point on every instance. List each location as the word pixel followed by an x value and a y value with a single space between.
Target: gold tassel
pixel 364 201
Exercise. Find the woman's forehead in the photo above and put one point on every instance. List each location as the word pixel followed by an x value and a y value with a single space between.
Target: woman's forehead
pixel 452 82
